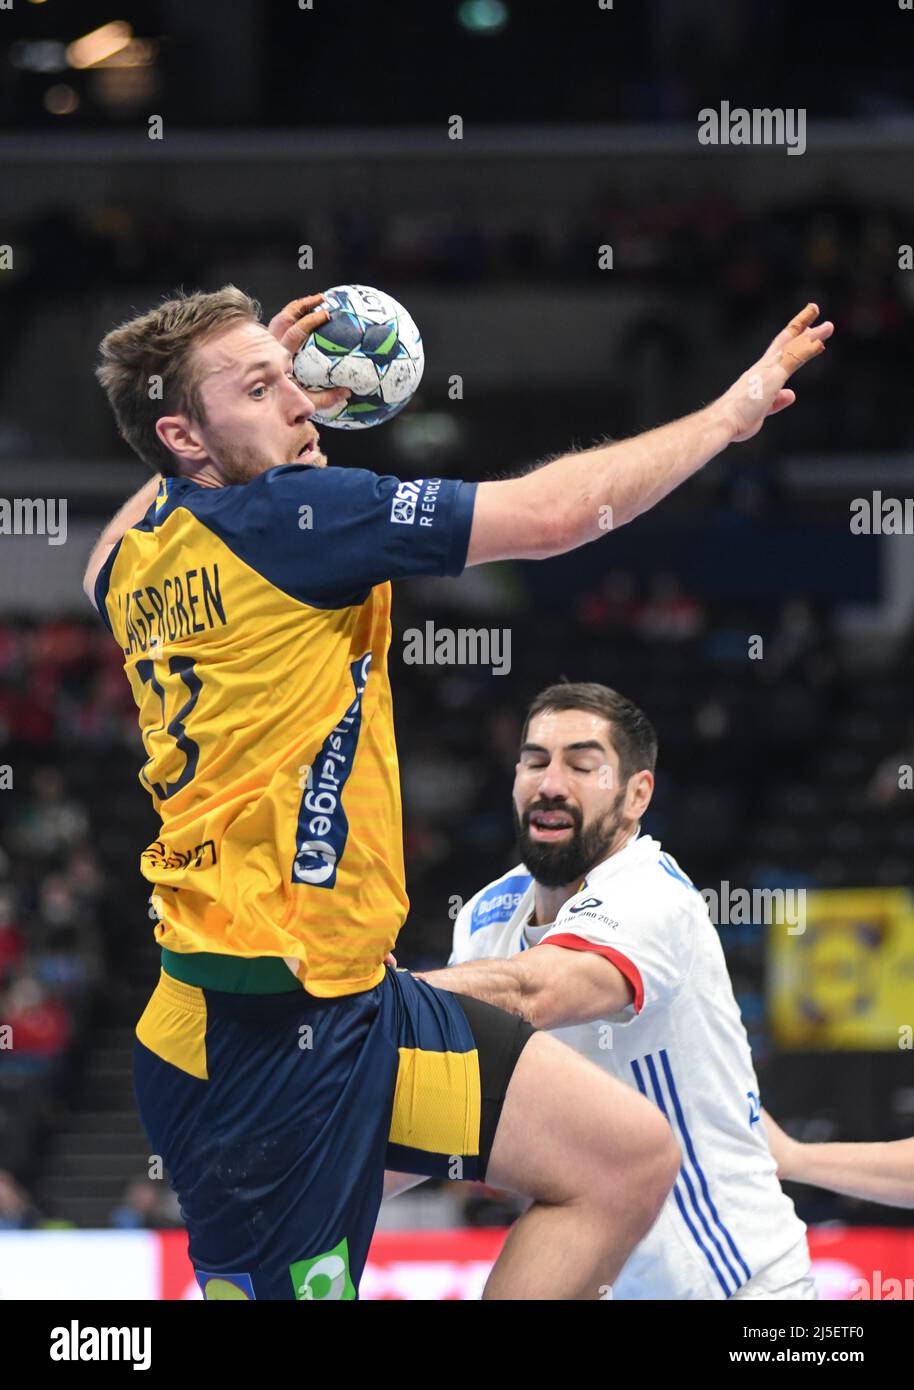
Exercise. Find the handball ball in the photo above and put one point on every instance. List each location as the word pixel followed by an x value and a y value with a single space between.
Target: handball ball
pixel 370 344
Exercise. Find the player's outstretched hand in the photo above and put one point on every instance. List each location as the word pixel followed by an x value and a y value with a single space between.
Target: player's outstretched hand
pixel 294 323
pixel 762 390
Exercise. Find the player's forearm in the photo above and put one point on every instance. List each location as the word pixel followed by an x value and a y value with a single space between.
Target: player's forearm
pixel 606 487
pixel 872 1172
pixel 579 497
pixel 499 982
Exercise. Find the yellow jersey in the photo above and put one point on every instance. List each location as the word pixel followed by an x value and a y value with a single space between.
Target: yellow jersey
pixel 255 625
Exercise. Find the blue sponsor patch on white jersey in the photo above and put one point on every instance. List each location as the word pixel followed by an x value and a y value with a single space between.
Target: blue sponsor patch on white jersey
pixel 500 901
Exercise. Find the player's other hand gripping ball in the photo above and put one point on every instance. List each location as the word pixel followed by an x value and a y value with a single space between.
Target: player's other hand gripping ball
pixel 369 344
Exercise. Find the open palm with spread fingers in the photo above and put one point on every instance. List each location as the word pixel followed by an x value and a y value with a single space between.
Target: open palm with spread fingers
pixel 762 390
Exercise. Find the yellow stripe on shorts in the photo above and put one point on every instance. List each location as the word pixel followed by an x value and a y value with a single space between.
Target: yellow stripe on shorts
pixel 173 1025
pixel 437 1102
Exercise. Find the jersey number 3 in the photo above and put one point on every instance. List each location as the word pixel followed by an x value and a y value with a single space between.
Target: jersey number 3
pixel 183 668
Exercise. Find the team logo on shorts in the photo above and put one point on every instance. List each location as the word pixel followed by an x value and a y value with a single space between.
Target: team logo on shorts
pixel 220 1286
pixel 324 1276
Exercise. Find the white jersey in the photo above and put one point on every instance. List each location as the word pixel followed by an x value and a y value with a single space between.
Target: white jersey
pixel 726 1228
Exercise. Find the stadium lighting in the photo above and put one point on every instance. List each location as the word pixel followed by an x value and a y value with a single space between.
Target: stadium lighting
pixel 39 55
pixel 482 16
pixel 100 44
pixel 61 100
pixel 139 53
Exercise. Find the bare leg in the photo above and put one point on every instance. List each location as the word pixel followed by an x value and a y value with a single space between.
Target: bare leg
pixel 597 1159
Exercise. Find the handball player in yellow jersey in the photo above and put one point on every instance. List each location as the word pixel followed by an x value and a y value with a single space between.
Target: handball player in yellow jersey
pixel 281 1065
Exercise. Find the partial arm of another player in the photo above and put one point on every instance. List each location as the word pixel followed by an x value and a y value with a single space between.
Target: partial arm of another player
pixel 549 986
pixel 395 1183
pixel 579 497
pixel 873 1172
pixel 133 510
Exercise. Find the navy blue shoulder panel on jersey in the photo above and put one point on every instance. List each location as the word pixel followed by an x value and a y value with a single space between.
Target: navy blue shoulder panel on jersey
pixel 328 535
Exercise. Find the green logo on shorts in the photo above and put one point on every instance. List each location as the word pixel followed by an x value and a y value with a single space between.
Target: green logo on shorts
pixel 326 1276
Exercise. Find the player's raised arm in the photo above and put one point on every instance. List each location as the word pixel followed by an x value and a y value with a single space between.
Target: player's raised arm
pixel 579 497
pixel 872 1172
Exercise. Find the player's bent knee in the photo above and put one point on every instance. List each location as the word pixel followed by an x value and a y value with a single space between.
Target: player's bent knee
pixel 570 1132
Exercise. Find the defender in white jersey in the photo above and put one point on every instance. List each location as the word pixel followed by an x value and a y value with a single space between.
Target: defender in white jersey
pixel 601 937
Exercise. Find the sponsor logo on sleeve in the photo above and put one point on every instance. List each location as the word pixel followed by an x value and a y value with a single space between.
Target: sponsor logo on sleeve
pixel 416 498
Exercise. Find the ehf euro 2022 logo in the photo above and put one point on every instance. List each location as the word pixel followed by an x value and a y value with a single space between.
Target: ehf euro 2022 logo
pixel 323 827
pixel 325 1276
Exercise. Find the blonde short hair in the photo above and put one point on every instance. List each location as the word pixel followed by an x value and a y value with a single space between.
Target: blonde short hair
pixel 158 348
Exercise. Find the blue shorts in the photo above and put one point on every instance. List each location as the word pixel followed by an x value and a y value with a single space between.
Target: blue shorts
pixel 276 1115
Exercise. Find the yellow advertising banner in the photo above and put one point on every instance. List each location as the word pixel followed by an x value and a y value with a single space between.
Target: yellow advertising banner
pixel 845 978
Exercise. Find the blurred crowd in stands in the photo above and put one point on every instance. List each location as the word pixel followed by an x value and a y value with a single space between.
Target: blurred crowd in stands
pixel 836 248
pixel 63 681
pixel 662 238
pixel 721 266
pixel 50 949
pixel 146 1206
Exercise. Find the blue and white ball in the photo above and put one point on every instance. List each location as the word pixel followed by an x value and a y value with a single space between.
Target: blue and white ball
pixel 370 344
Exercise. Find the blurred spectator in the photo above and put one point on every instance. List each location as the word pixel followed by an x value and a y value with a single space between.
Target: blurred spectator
pixel 146 1206
pixel 892 780
pixel 802 646
pixel 12 942
pixel 435 782
pixel 40 1023
pixel 669 614
pixel 50 822
pixel 84 877
pixel 17 1210
pixel 66 946
pixel 611 608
